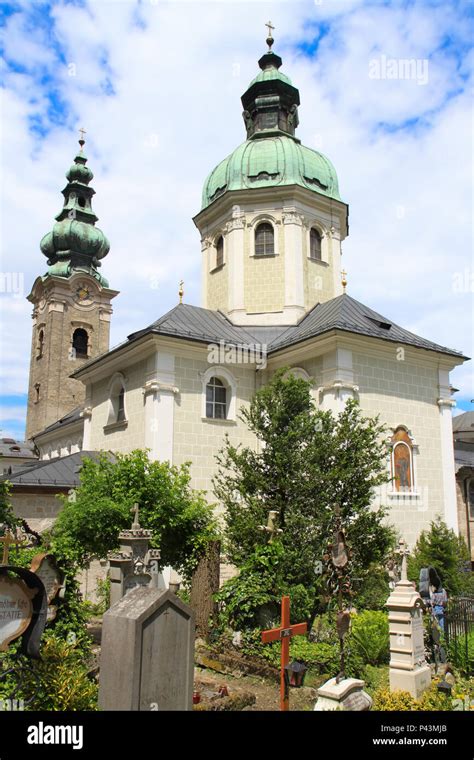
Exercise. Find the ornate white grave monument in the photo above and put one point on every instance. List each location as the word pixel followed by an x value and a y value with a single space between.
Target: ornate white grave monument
pixel 408 668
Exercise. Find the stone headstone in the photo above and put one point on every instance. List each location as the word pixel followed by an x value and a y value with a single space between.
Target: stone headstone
pixel 46 568
pixel 134 564
pixel 348 695
pixel 16 609
pixel 147 656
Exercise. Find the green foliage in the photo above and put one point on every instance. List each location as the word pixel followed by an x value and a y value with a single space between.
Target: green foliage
pixel 461 652
pixel 58 681
pixel 369 637
pixel 180 519
pixel 373 593
pixel 308 462
pixel 441 548
pixel 431 699
pixel 242 597
pixel 7 516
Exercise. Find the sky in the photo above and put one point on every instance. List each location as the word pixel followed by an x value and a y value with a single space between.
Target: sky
pixel 385 94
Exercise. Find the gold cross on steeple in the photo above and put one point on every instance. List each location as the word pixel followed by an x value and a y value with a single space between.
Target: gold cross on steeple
pixel 344 279
pixel 181 291
pixel 82 132
pixel 270 39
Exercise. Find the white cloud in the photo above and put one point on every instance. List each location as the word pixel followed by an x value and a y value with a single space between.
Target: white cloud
pixel 175 113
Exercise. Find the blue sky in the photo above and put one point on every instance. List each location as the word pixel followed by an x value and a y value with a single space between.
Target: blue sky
pixel 157 86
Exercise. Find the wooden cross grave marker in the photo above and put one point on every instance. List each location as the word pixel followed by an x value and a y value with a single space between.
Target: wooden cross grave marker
pixel 284 634
pixel 7 540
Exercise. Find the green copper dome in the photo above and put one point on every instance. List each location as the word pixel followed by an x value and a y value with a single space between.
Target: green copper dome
pixel 271 162
pixel 271 156
pixel 75 243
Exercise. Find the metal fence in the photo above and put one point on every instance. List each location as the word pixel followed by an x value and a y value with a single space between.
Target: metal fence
pixel 459 632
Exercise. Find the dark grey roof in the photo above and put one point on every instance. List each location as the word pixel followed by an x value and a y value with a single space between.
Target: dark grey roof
pixel 463 423
pixel 463 454
pixel 73 416
pixel 62 472
pixel 9 447
pixel 345 313
pixel 195 323
pixel 340 313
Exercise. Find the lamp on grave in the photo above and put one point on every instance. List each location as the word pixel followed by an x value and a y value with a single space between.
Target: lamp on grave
pixel 295 673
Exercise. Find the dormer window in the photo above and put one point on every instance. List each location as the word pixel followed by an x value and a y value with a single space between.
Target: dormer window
pixel 264 240
pixel 315 245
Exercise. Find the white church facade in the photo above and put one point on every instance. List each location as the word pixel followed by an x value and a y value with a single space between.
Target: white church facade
pixel 273 293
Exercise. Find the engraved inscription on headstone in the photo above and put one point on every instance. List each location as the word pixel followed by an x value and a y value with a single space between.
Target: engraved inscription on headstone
pixel 45 567
pixel 16 609
pixel 417 635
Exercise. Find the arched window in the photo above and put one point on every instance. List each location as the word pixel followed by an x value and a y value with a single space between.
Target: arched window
pixel 80 342
pixel 40 344
pixel 315 244
pixel 117 409
pixel 402 461
pixel 219 251
pixel 37 392
pixel 216 399
pixel 264 240
pixel 121 405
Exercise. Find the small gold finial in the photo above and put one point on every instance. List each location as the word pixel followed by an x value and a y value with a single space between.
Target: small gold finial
pixel 343 279
pixel 270 39
pixel 82 132
pixel 181 291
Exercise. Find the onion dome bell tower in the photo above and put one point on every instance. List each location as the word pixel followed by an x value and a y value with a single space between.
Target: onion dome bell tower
pixel 272 219
pixel 71 303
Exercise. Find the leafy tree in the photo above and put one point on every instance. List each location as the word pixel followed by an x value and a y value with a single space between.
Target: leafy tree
pixel 306 463
pixel 441 548
pixel 180 519
pixel 7 516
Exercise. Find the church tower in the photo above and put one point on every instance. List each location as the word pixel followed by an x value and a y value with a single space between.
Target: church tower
pixel 71 303
pixel 272 220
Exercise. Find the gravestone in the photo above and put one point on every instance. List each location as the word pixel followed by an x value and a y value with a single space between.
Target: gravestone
pixel 347 694
pixel 16 609
pixel 147 656
pixel 134 564
pixel 408 668
pixel 46 568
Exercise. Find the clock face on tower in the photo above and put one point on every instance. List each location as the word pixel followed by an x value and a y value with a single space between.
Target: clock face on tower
pixel 82 295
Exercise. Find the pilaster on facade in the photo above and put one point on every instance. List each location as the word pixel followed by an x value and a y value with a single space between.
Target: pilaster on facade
pixel 445 404
pixel 159 397
pixel 338 380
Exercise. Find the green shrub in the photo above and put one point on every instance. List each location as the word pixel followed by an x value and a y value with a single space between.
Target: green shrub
pixel 58 681
pixel 460 655
pixel 431 699
pixel 369 639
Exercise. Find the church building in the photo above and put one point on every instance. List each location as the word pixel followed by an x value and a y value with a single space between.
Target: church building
pixel 271 226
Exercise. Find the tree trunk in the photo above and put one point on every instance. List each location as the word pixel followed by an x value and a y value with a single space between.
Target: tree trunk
pixel 205 583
